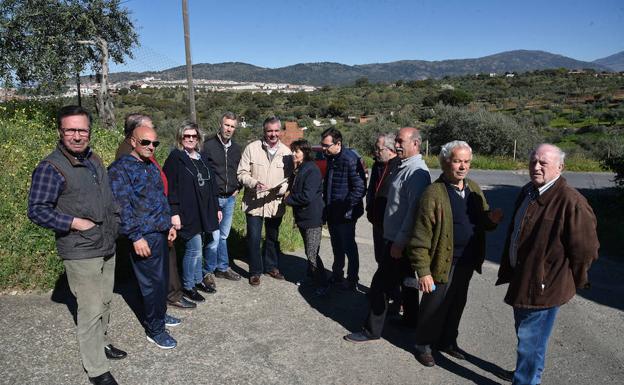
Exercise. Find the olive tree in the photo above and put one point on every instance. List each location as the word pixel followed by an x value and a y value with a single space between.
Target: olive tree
pixel 45 42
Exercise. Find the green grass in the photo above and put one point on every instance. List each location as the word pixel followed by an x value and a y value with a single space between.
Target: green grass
pixel 28 257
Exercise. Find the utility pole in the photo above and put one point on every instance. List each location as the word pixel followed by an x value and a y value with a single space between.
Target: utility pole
pixel 78 88
pixel 189 64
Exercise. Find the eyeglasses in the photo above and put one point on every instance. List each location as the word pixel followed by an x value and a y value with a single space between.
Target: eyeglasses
pixel 73 131
pixel 190 136
pixel 327 145
pixel 145 142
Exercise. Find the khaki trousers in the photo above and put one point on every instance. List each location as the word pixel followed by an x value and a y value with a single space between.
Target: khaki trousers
pixel 91 282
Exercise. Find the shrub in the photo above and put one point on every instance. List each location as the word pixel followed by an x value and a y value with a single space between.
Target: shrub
pixel 487 133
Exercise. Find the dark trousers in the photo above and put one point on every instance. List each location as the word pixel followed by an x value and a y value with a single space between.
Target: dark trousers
pixel 267 259
pixel 152 274
pixel 390 274
pixel 175 286
pixel 378 243
pixel 343 242
pixel 441 311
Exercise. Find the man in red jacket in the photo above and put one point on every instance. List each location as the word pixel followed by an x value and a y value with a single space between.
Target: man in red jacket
pixel 550 246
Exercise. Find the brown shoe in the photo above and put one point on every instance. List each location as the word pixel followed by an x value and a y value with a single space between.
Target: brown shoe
pixel 209 281
pixel 426 359
pixel 254 280
pixel 228 274
pixel 275 273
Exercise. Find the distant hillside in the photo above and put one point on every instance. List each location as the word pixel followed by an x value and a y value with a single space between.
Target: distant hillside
pixel 613 62
pixel 319 74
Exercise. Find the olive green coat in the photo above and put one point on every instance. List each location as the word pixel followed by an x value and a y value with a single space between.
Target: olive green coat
pixel 431 247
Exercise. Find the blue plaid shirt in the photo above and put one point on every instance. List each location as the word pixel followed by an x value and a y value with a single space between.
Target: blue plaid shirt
pixel 46 187
pixel 139 191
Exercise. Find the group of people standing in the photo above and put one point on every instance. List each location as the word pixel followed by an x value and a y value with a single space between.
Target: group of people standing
pixel 427 236
pixel 436 232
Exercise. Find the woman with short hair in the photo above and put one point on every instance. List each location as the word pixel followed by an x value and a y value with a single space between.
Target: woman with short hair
pixel 306 198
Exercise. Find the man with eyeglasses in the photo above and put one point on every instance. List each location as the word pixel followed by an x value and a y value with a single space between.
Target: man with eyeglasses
pixel 343 190
pixel 386 163
pixel 224 155
pixel 70 194
pixel 146 221
pixel 175 296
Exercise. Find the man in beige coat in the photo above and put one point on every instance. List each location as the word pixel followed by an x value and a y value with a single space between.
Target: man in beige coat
pixel 264 169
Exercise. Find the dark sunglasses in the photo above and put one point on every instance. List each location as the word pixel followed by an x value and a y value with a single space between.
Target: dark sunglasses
pixel 145 143
pixel 189 136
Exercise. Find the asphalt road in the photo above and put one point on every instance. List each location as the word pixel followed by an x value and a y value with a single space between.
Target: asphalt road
pixel 278 333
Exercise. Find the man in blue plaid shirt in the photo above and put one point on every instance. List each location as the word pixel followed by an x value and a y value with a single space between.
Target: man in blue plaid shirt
pixel 70 194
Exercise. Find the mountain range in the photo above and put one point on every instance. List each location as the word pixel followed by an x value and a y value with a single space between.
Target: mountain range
pixel 326 73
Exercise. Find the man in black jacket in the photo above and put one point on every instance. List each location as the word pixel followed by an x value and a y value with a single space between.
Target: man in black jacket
pixel 223 155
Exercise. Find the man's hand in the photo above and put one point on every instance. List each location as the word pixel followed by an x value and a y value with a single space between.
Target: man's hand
pixel 81 224
pixel 425 284
pixel 235 193
pixel 176 222
pixel 260 187
pixel 496 215
pixel 141 248
pixel 219 216
pixel 172 234
pixel 396 252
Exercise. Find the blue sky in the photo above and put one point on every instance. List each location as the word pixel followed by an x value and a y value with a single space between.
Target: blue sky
pixel 274 33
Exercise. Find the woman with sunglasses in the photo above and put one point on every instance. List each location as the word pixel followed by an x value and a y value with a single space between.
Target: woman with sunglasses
pixel 306 198
pixel 194 205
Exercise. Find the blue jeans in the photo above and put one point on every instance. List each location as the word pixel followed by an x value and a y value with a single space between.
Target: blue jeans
pixel 267 259
pixel 533 327
pixel 343 242
pixel 152 274
pixel 216 257
pixel 192 261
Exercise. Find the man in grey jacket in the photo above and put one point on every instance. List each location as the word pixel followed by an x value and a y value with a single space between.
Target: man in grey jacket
pixel 406 186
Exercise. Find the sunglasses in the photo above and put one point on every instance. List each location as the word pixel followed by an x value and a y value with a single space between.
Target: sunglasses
pixel 190 136
pixel 145 143
pixel 323 145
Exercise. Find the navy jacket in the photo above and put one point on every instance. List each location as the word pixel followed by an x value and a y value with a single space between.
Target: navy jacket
pixel 139 191
pixel 306 196
pixel 197 214
pixel 344 188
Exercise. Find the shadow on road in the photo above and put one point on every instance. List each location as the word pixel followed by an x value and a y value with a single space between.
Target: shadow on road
pixel 349 309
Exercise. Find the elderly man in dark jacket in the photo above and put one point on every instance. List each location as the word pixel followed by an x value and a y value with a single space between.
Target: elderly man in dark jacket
pixel 550 246
pixel 447 246
pixel 344 188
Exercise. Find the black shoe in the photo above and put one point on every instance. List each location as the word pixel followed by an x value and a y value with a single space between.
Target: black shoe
pixel 193 295
pixel 183 303
pixel 359 337
pixel 349 285
pixel 454 352
pixel 205 288
pixel 112 353
pixel 103 379
pixel 506 375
